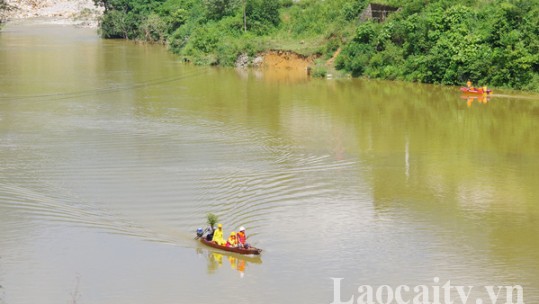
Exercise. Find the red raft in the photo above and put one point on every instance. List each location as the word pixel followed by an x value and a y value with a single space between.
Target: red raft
pixel 475 91
pixel 250 250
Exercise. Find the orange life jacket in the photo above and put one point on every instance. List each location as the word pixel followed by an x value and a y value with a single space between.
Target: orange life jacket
pixel 241 237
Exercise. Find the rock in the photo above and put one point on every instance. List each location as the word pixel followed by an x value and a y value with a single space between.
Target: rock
pixel 79 12
pixel 258 61
pixel 242 61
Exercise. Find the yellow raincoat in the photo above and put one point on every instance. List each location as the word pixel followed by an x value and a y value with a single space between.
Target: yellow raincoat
pixel 218 236
pixel 232 240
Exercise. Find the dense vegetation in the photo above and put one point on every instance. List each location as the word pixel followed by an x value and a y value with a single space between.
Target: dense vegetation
pixel 491 42
pixel 217 31
pixel 449 41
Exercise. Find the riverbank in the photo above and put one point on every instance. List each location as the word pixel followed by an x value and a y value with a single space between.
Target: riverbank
pixel 76 12
pixel 490 43
pixel 279 62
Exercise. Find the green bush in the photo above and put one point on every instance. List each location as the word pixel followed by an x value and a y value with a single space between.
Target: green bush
pixel 212 219
pixel 205 39
pixel 154 29
pixel 262 15
pixel 119 24
pixel 314 17
pixel 449 42
pixel 218 9
pixel 319 71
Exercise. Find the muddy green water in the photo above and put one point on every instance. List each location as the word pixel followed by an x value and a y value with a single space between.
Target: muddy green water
pixel 111 154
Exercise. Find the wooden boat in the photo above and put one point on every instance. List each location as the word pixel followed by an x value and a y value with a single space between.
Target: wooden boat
pixel 475 91
pixel 251 250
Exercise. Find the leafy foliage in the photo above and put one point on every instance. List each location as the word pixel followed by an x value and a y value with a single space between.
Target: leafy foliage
pixel 494 42
pixel 316 17
pixel 119 24
pixel 262 15
pixel 154 28
pixel 212 219
pixel 218 9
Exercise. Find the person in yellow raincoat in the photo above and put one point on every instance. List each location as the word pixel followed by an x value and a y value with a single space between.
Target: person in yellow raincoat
pixel 218 235
pixel 232 240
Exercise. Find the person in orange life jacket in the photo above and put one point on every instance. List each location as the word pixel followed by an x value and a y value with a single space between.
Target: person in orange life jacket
pixel 242 238
pixel 232 240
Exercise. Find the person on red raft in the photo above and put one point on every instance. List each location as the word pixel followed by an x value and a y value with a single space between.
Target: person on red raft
pixel 242 238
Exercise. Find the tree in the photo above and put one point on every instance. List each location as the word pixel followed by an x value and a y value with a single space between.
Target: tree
pixel 217 9
pixel 118 24
pixel 154 29
pixel 261 15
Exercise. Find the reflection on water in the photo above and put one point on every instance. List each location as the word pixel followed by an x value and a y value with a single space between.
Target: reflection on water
pixel 481 99
pixel 215 260
pixel 111 154
pixel 236 262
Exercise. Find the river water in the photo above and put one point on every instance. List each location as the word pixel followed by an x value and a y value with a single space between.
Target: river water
pixel 112 153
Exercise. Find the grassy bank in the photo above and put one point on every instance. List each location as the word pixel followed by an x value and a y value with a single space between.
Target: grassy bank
pixel 492 42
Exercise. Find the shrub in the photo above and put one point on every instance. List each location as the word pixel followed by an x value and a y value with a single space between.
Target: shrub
pixel 262 15
pixel 118 24
pixel 218 9
pixel 212 219
pixel 154 29
pixel 319 71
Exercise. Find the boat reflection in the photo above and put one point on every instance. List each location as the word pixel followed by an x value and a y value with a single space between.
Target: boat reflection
pixel 481 99
pixel 236 261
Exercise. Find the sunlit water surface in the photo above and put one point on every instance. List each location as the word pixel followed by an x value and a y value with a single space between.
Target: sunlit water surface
pixel 112 153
